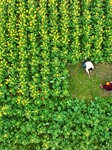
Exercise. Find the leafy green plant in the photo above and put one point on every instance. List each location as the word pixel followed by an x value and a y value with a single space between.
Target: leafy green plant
pixel 86 35
pixel 107 42
pixel 97 18
pixel 74 32
pixel 46 124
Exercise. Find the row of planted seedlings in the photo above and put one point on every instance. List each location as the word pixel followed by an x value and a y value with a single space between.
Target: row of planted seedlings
pixel 107 35
pixel 3 51
pixel 74 49
pixel 33 50
pixel 23 71
pixel 44 55
pixel 86 27
pixel 9 53
pixel 58 51
pixel 5 64
pixel 8 66
pixel 63 45
pixel 97 23
pixel 12 80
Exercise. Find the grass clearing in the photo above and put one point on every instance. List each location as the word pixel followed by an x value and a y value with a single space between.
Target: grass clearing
pixel 83 87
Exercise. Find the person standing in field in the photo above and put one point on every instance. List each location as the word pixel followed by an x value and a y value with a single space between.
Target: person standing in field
pixel 88 65
pixel 107 86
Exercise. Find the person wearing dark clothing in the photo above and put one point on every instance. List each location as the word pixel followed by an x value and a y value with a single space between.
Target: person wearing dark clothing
pixel 107 86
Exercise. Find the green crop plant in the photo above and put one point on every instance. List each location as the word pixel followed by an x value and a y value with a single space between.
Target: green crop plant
pixel 64 41
pixel 12 78
pixel 3 45
pixel 97 19
pixel 23 74
pixel 74 31
pixel 107 42
pixel 33 49
pixel 64 28
pixel 57 57
pixel 54 48
pixel 44 52
pixel 86 35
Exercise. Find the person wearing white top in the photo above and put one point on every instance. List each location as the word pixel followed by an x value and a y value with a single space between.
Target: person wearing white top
pixel 88 65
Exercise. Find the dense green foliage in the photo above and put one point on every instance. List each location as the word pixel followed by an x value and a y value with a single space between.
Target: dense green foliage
pixel 38 38
pixel 63 125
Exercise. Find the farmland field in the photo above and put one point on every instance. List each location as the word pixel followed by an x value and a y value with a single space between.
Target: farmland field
pixel 38 39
